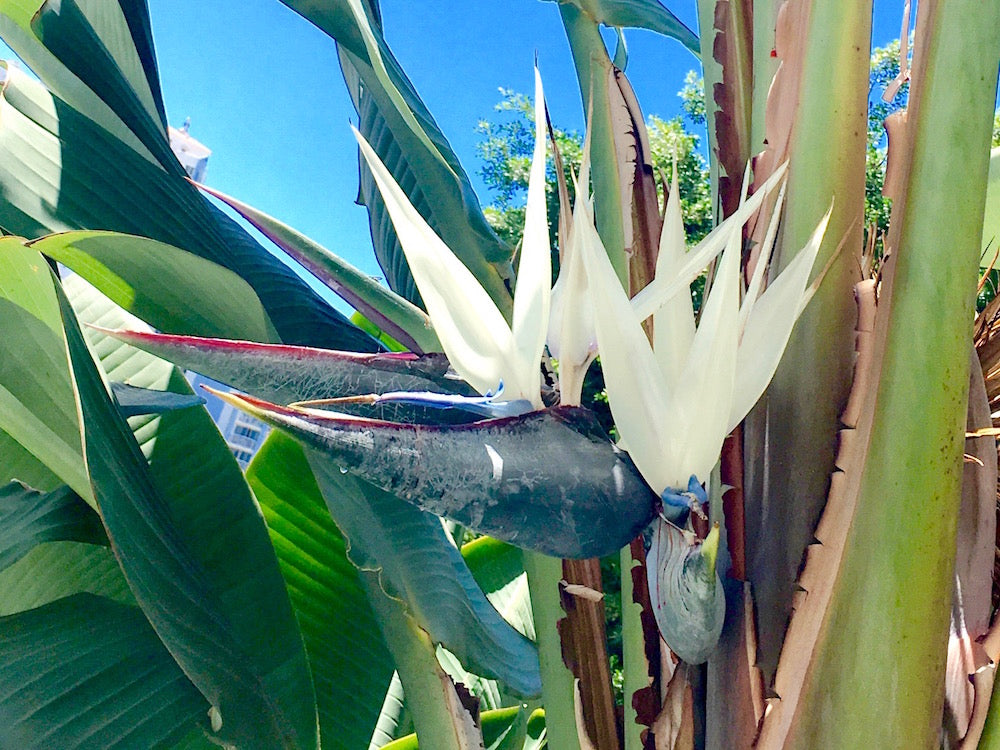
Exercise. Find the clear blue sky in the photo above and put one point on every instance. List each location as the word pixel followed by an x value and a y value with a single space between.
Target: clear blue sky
pixel 263 90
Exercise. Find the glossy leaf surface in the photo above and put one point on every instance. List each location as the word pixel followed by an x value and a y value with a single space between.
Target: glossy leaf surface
pixel 29 517
pixel 86 671
pixel 184 553
pixel 350 665
pixel 419 564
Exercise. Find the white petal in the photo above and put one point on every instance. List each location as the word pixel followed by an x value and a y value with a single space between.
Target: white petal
pixel 473 332
pixel 636 392
pixel 769 327
pixel 763 259
pixel 673 324
pixel 704 391
pixel 534 272
pixel 572 339
pixel 655 294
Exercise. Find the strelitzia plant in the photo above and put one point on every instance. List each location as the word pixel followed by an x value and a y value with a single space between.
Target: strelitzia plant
pixel 165 556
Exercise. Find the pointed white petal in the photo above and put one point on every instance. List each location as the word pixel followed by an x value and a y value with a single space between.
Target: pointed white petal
pixel 636 393
pixel 534 272
pixel 673 324
pixel 472 330
pixel 769 327
pixel 763 259
pixel 704 391
pixel 649 300
pixel 572 339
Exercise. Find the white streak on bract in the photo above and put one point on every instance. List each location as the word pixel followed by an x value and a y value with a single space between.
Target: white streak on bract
pixel 496 460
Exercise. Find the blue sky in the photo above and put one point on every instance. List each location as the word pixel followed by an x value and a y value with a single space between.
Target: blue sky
pixel 264 91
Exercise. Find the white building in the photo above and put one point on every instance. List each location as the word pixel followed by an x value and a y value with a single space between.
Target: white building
pixel 192 155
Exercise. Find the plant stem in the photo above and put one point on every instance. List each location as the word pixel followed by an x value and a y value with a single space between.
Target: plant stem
pixel 544 574
pixel 786 485
pixel 593 68
pixel 879 671
pixel 440 721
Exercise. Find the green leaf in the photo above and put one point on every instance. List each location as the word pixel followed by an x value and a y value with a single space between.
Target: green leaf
pixel 93 39
pixel 60 171
pixel 54 570
pixel 37 407
pixel 135 402
pixel 17 463
pixel 991 219
pixel 169 288
pixel 498 568
pixel 410 143
pixel 16 31
pixel 29 517
pixel 350 665
pixel 393 314
pixel 642 14
pixel 85 671
pixel 195 551
pixel 419 565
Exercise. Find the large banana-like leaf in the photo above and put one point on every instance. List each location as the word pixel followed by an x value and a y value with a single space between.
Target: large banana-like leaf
pixel 195 551
pixel 408 140
pixel 37 408
pixel 94 40
pixel 16 31
pixel 59 171
pixel 55 570
pixel 86 671
pixel 29 517
pixel 392 313
pixel 350 665
pixel 418 564
pixel 167 287
pixel 643 14
pixel 549 480
pixel 17 463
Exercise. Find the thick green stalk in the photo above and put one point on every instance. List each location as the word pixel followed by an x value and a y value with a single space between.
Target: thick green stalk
pixel 711 74
pixel 544 574
pixel 798 419
pixel 635 668
pixel 438 718
pixel 879 672
pixel 593 68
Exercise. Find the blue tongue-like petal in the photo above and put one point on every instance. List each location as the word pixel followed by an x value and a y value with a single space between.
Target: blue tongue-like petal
pixel 677 503
pixel 486 406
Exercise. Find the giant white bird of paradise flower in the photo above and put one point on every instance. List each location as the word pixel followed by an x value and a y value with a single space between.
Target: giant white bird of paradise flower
pixel 675 401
